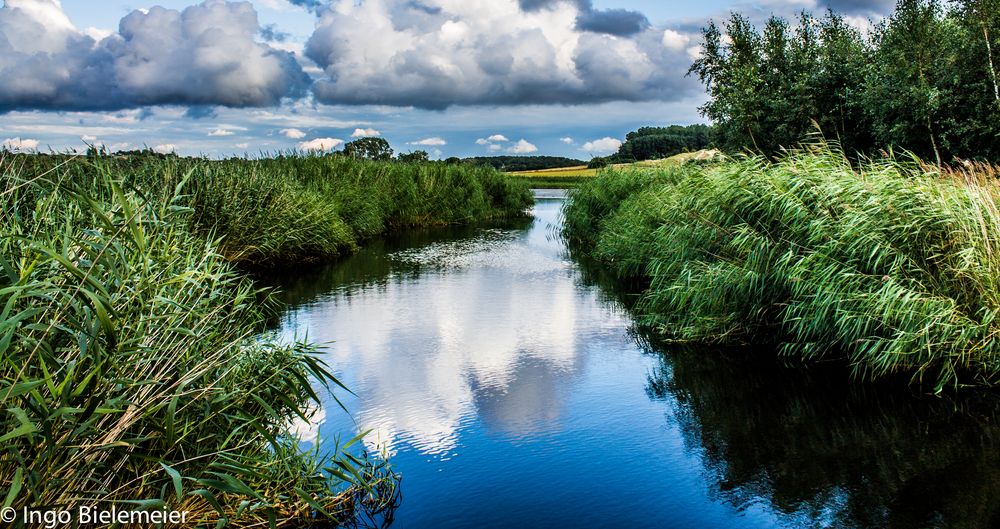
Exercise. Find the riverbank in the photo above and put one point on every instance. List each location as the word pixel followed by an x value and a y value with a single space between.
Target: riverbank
pixel 269 212
pixel 132 368
pixel 890 267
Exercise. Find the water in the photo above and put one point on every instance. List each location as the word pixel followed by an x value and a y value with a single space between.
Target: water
pixel 510 391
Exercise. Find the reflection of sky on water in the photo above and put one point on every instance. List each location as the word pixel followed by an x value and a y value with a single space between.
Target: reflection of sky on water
pixel 507 393
pixel 511 395
pixel 490 328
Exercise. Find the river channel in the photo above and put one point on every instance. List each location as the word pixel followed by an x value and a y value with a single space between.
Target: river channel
pixel 511 390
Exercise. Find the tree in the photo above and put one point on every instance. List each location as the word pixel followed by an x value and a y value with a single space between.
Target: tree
pixel 838 83
pixel 925 81
pixel 414 157
pixel 984 15
pixel 732 74
pixel 369 149
pixel 650 143
pixel 597 162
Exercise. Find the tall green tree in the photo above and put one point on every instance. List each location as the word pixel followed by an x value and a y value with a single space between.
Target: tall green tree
pixel 414 156
pixel 369 149
pixel 904 96
pixel 975 102
pixel 984 16
pixel 838 84
pixel 731 73
pixel 926 80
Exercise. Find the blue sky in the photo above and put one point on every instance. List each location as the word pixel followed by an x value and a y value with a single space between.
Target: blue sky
pixel 453 77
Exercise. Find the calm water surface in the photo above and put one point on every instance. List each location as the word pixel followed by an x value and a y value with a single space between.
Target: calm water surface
pixel 511 391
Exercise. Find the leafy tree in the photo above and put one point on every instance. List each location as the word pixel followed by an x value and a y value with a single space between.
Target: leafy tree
pixel 903 93
pixel 369 149
pixel 649 143
pixel 984 15
pixel 926 80
pixel 769 89
pixel 415 156
pixel 973 129
pixel 838 84
pixel 598 162
pixel 731 74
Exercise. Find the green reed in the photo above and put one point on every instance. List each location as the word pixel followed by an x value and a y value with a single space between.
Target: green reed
pixel 133 368
pixel 893 266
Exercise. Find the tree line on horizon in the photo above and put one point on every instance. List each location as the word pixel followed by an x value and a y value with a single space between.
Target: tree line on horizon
pixel 925 80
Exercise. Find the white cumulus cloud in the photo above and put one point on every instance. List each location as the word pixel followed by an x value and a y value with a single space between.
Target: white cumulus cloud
pixel 567 140
pixel 206 54
pixel 165 148
pixel 432 141
pixel 522 146
pixel 675 40
pixel 221 132
pixel 320 144
pixel 19 144
pixel 502 52
pixel 498 138
pixel 294 134
pixel 365 133
pixel 604 145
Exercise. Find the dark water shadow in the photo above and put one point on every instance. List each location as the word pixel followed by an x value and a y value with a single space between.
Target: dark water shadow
pixel 819 447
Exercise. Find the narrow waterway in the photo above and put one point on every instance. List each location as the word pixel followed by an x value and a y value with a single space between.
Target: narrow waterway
pixel 510 391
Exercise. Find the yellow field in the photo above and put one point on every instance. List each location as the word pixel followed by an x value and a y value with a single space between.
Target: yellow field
pixel 580 172
pixel 576 171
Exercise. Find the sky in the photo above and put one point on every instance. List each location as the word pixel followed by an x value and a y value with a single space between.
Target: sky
pixel 451 77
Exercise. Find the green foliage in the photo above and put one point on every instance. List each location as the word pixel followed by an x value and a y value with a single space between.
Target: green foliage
pixel 370 148
pixel 652 143
pixel 893 267
pixel 414 157
pixel 293 209
pixel 598 162
pixel 130 368
pixel 131 364
pixel 924 80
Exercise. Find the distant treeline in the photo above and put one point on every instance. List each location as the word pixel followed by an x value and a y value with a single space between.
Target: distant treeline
pixel 524 163
pixel 925 80
pixel 650 143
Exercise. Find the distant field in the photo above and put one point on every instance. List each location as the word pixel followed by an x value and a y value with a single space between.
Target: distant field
pixel 571 176
pixel 561 172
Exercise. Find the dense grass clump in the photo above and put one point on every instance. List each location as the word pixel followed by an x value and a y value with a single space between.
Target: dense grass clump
pixel 293 209
pixel 894 267
pixel 131 371
pixel 132 368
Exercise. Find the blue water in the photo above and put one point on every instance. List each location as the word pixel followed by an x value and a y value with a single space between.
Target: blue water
pixel 509 390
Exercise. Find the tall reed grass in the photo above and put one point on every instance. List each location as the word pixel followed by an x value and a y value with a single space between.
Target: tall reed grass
pixel 285 210
pixel 132 368
pixel 893 266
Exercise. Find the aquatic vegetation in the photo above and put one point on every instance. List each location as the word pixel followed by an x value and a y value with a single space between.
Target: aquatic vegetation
pixel 132 370
pixel 892 266
pixel 292 209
